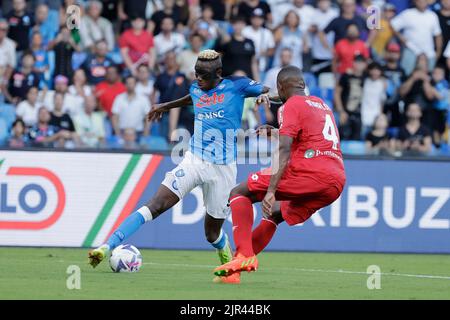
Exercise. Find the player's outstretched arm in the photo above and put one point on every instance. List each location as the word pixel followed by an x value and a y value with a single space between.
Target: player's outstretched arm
pixel 279 163
pixel 158 109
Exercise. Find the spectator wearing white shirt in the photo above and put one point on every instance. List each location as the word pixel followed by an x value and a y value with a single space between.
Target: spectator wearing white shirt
pixel 8 58
pixel 73 103
pixel 94 27
pixel 28 109
pixel 270 80
pixel 419 31
pixel 80 87
pixel 322 56
pixel 262 38
pixel 188 57
pixel 129 110
pixel 144 86
pixel 304 11
pixel 90 125
pixel 168 40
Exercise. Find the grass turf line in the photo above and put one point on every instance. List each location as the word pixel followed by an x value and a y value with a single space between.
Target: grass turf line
pixel 40 273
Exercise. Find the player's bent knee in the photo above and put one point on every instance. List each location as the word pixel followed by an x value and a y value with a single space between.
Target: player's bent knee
pixel 240 189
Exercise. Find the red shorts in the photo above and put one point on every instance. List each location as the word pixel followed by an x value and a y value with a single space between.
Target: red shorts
pixel 300 195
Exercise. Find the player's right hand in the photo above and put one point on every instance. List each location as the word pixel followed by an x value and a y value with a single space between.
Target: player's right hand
pixel 156 112
pixel 343 117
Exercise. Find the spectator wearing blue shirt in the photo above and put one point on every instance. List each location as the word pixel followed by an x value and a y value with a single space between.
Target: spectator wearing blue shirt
pixel 41 64
pixel 46 23
pixel 440 103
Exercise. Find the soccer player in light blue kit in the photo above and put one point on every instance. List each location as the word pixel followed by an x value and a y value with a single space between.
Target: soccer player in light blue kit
pixel 210 163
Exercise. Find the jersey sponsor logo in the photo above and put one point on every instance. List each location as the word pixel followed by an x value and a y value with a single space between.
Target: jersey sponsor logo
pixel 211 115
pixel 309 153
pixel 24 201
pixel 255 177
pixel 207 101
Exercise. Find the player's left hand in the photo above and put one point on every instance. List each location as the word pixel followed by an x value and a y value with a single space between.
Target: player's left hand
pixel 268 202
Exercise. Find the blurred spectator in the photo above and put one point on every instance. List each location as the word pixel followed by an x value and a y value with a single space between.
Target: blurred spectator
pixel 188 57
pixel 107 90
pixel 419 32
pixel 385 33
pixel 394 75
pixel 417 89
pixel 90 125
pixel 339 24
pixel 94 27
pixel 207 23
pixel 63 46
pixel 96 64
pixel 130 9
pixel 144 86
pixel 270 80
pixel 8 57
pixel 59 118
pixel 322 56
pixel 303 10
pixel 79 86
pixel 41 64
pixel 18 139
pixel 129 110
pixel 347 49
pixel 414 138
pixel 129 138
pixel 378 140
pixel 27 110
pixel 289 35
pixel 220 9
pixel 168 40
pixel 238 51
pixel 262 39
pixel 136 46
pixel 46 23
pixel 73 103
pixel 169 85
pixel 440 96
pixel 43 134
pixel 444 22
pixel 373 97
pixel 20 24
pixel 347 100
pixel 170 10
pixel 22 79
pixel 246 9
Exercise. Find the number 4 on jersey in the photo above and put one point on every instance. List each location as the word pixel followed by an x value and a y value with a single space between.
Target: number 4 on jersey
pixel 329 131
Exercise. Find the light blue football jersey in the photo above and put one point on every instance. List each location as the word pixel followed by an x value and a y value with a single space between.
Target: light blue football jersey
pixel 218 114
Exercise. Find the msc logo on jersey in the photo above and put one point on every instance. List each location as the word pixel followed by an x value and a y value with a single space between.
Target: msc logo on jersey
pixel 207 101
pixel 211 115
pixel 30 198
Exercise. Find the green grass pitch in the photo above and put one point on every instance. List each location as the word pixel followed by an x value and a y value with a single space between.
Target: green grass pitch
pixel 40 273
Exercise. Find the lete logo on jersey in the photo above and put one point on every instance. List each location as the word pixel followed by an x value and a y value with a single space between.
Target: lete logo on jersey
pixel 207 101
pixel 30 198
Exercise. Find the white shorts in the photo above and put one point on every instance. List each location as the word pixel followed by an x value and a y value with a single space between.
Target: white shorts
pixel 216 181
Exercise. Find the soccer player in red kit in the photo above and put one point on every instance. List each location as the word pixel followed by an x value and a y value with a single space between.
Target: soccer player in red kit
pixel 307 174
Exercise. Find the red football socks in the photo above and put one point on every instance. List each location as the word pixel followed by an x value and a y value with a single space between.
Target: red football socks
pixel 262 235
pixel 242 214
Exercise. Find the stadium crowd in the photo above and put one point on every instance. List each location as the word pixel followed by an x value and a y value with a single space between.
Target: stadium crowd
pixel 85 76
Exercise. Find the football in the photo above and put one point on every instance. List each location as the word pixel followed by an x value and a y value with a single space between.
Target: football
pixel 125 258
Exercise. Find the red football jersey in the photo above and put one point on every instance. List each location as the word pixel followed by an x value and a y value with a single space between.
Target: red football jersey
pixel 316 146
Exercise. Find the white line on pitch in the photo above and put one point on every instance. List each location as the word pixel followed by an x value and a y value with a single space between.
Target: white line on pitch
pixel 306 270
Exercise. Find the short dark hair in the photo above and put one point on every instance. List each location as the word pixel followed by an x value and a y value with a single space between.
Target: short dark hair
pixel 237 19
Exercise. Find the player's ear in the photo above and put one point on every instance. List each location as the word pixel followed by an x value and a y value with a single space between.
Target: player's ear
pixel 219 72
